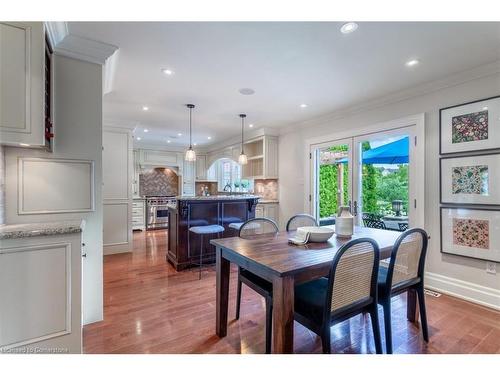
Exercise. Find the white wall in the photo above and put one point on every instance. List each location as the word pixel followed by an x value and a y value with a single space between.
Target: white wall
pixel 2 185
pixel 78 135
pixel 455 275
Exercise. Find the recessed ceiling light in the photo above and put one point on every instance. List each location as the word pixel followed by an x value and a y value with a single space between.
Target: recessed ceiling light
pixel 168 141
pixel 24 144
pixel 246 91
pixel 303 105
pixel 167 72
pixel 250 125
pixel 138 138
pixel 146 130
pixel 194 144
pixel 412 62
pixel 179 134
pixel 209 137
pixel 348 27
pixel 145 108
pixel 485 108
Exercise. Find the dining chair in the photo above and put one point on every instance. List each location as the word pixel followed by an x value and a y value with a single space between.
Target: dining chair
pixel 350 289
pixel 251 229
pixel 403 226
pixel 374 223
pixel 301 220
pixel 404 272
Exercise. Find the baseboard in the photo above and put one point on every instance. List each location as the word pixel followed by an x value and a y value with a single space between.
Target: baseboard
pixel 475 293
pixel 116 249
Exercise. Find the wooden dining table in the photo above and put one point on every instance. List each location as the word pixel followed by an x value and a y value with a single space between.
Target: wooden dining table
pixel 274 259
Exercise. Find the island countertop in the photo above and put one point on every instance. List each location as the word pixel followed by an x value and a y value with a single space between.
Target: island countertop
pixel 217 197
pixel 13 231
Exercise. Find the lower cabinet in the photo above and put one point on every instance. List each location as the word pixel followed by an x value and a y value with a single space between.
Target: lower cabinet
pixel 268 210
pixel 40 294
pixel 139 214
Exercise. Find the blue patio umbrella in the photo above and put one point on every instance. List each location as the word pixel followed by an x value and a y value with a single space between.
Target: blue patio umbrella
pixel 391 153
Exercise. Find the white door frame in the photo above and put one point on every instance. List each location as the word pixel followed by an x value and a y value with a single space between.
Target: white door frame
pixel 417 198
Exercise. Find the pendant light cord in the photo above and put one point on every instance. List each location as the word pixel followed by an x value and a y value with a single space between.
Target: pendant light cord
pixel 242 129
pixel 190 128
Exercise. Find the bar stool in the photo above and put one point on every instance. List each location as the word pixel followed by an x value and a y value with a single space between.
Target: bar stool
pixel 202 230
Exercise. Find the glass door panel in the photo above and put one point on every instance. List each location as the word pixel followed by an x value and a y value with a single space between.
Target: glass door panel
pixel 332 187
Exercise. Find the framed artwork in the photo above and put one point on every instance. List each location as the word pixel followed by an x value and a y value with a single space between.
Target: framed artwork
pixel 472 233
pixel 473 126
pixel 470 179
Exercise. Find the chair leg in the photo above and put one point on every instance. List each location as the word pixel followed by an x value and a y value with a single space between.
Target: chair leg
pixel 376 329
pixel 238 297
pixel 201 256
pixel 325 340
pixel 387 323
pixel 269 324
pixel 423 313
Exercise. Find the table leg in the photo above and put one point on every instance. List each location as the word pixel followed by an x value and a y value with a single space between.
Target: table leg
pixel 222 291
pixel 283 300
pixel 411 306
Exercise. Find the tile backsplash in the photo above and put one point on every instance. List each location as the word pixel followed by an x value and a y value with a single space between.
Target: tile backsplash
pixel 159 181
pixel 267 189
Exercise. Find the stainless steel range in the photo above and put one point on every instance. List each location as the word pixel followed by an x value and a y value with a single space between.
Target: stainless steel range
pixel 157 212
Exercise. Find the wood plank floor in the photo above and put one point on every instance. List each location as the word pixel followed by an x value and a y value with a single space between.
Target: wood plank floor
pixel 151 308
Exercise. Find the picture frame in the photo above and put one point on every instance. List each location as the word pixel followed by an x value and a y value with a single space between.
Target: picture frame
pixel 470 127
pixel 470 180
pixel 470 232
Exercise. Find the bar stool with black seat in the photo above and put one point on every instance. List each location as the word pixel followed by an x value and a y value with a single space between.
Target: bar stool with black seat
pixel 350 289
pixel 301 220
pixel 252 229
pixel 405 271
pixel 202 230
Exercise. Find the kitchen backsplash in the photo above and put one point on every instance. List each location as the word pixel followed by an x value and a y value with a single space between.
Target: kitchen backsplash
pixel 159 181
pixel 212 187
pixel 267 189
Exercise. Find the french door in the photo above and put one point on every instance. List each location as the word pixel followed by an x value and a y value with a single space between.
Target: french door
pixel 378 175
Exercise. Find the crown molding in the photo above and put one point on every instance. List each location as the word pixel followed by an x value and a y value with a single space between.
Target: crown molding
pixel 76 47
pixel 419 90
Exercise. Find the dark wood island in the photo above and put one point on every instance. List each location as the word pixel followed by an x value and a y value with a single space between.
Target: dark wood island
pixel 184 246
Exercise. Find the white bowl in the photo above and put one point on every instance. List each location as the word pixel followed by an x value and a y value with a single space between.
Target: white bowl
pixel 317 234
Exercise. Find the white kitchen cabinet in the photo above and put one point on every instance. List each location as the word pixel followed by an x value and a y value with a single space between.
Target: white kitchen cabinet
pixel 22 89
pixel 158 158
pixel 268 210
pixel 41 292
pixel 262 154
pixel 188 178
pixel 139 214
pixel 201 167
pixel 137 170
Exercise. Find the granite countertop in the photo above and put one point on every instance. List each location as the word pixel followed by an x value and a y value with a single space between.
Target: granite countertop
pixel 264 201
pixel 13 231
pixel 218 197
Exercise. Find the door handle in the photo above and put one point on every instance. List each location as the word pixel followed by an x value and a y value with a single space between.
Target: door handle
pixel 355 209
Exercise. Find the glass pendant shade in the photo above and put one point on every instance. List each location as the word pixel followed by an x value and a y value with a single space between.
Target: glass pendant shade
pixel 190 155
pixel 242 159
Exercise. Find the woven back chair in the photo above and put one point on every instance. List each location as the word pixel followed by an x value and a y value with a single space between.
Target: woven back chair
pixel 404 272
pixel 374 223
pixel 257 226
pixel 301 220
pixel 250 230
pixel 349 290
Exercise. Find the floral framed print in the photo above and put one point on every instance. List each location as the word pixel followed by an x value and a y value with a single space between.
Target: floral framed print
pixel 470 180
pixel 473 233
pixel 473 126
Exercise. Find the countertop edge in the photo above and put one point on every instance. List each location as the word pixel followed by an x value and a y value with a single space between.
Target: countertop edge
pixel 17 231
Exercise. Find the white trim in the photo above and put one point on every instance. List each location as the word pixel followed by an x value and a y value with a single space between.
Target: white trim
pixel 56 32
pixel 465 290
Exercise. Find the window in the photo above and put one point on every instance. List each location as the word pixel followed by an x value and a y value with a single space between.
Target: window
pixel 229 172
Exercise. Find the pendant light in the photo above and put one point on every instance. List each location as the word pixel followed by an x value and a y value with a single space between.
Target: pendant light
pixel 242 159
pixel 190 154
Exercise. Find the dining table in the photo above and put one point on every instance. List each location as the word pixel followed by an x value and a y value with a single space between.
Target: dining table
pixel 275 259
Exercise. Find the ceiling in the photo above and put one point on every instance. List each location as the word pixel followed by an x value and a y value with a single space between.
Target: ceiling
pixel 286 63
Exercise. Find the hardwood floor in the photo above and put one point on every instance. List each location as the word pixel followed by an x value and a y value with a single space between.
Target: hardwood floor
pixel 151 308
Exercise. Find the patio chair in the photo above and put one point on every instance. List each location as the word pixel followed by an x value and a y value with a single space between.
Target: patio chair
pixel 374 223
pixel 403 227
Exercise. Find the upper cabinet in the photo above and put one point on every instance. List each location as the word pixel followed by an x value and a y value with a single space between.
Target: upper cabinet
pixel 25 85
pixel 262 154
pixel 158 158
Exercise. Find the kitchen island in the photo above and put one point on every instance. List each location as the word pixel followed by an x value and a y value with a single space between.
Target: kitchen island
pixel 187 212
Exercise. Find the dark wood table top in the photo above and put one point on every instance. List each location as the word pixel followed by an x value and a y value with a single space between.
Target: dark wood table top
pixel 273 255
